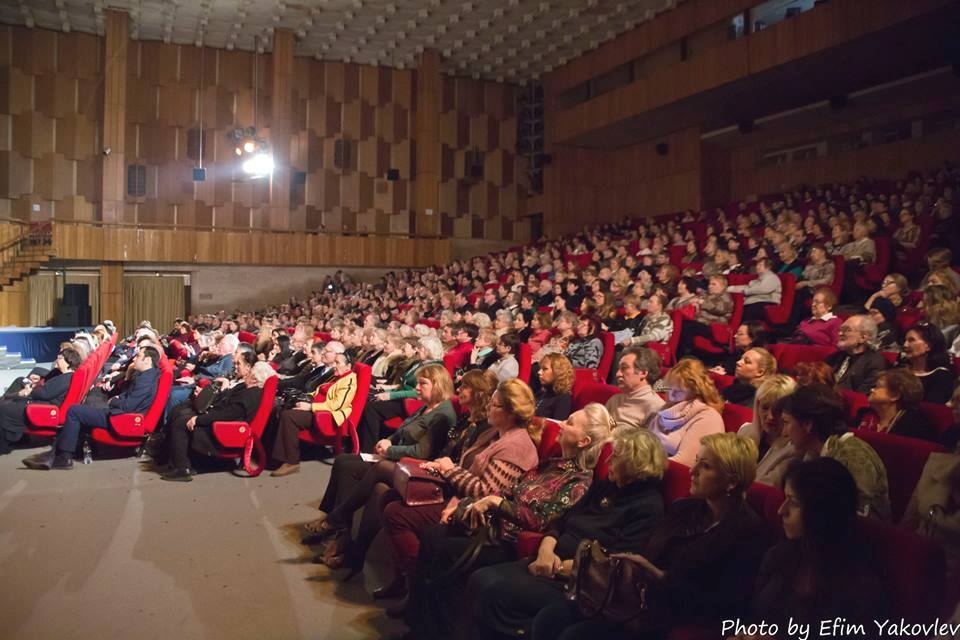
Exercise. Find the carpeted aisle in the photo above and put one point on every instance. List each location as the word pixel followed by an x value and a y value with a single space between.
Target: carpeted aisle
pixel 109 550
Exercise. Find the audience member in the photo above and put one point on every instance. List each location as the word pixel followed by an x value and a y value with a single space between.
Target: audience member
pixel 754 367
pixel 925 355
pixel 638 371
pixel 776 450
pixel 823 327
pixel 759 293
pixel 895 407
pixel 857 364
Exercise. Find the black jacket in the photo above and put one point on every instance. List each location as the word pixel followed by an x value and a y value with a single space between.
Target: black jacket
pixel 138 394
pixel 237 403
pixel 861 371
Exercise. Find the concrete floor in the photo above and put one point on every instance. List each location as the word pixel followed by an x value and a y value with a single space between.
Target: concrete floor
pixel 109 550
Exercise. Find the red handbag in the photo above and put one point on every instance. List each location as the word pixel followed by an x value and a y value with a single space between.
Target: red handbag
pixel 417 486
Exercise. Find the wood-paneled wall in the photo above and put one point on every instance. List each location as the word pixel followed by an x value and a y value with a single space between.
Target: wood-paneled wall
pixel 891 161
pixel 588 186
pixel 75 241
pixel 52 100
pixel 826 26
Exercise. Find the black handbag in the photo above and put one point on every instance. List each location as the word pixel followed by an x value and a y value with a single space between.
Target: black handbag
pixel 612 588
pixel 204 400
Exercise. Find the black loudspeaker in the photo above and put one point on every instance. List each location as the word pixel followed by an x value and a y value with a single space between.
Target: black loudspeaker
pixel 393 174
pixel 341 154
pixel 76 294
pixel 199 174
pixel 662 148
pixel 72 315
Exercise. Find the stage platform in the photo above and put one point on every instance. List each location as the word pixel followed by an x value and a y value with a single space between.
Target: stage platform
pixel 36 343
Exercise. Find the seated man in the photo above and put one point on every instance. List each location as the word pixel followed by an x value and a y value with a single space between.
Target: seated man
pixel 857 363
pixel 759 293
pixel 137 398
pixel 333 402
pixel 465 335
pixel 639 369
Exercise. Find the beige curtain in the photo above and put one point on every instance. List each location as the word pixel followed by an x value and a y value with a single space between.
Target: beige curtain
pixel 46 288
pixel 43 299
pixel 159 299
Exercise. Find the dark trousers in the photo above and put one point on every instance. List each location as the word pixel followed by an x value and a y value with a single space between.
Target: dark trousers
pixel 342 514
pixel 182 439
pixel 286 448
pixel 79 416
pixel 689 330
pixel 347 472
pixel 371 429
pixel 12 422
pixel 563 621
pixel 505 598
pixel 755 312
pixel 436 599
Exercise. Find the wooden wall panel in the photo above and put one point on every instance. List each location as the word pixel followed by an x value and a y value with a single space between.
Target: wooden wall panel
pixel 15 304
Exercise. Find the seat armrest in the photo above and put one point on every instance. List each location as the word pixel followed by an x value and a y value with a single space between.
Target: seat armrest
pixel 129 425
pixel 43 415
pixel 232 434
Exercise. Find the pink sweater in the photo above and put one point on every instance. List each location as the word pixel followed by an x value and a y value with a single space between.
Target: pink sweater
pixel 680 427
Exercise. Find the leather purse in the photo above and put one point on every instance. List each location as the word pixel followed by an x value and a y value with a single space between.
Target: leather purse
pixel 612 588
pixel 417 486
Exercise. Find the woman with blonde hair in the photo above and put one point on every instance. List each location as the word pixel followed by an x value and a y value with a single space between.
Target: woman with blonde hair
pixel 942 308
pixel 699 561
pixel 619 512
pixel 692 411
pixel 754 367
pixel 542 496
pixel 776 451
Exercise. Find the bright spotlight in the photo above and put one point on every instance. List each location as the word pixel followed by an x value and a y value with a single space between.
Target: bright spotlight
pixel 259 165
pixel 249 146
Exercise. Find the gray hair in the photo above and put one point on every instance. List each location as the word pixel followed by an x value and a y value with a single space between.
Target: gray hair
pixel 335 346
pixel 481 319
pixel 262 372
pixel 433 347
pixel 869 330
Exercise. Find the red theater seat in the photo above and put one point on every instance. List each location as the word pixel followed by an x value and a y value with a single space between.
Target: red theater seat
pixel 131 429
pixel 323 433
pixel 241 439
pixel 734 416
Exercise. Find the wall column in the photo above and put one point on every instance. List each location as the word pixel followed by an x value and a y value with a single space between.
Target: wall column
pixel 280 127
pixel 426 191
pixel 113 187
pixel 111 293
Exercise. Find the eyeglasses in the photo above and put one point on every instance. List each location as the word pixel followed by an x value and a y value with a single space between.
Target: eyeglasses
pixel 846 330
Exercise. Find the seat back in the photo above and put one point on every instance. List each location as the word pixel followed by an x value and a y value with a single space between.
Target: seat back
pixel 246 337
pixel 839 266
pixel 914 568
pixel 765 501
pixel 587 392
pixel 904 459
pixel 606 358
pixel 152 417
pixel 549 447
pixel 780 313
pixel 260 418
pixel 788 356
pixel 364 374
pixel 525 360
pixel 853 404
pixel 43 419
pixel 734 416
pixel 675 483
pixel 940 417
pixel 668 350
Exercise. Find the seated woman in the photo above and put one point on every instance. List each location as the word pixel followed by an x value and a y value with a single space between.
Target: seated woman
pixel 188 429
pixel 332 403
pixel 352 480
pixel 389 403
pixel 819 271
pixel 539 333
pixel 700 561
pixel 505 366
pixel 50 390
pixel 942 308
pixel 619 512
pixel 657 325
pixel 692 411
pixel 539 498
pixel 906 237
pixel 813 420
pixel 586 349
pixel 747 336
pixel 716 307
pixel 686 296
pixel 822 327
pixel 884 314
pixel 756 366
pixel 893 288
pixel 895 407
pixel 776 452
pixel 925 355
pixel 789 260
pixel 491 466
pixel 556 382
pixel 822 571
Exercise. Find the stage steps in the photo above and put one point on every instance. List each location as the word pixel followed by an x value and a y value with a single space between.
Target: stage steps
pixel 22 266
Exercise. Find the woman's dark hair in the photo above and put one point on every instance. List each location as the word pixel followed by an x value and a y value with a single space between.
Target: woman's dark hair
pixel 817 404
pixel 690 283
pixel 594 323
pixel 931 334
pixel 758 334
pixel 511 341
pixel 828 498
pixel 283 341
pixel 72 357
pixel 247 353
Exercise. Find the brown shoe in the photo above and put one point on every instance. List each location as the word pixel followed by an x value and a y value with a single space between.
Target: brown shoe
pixel 285 470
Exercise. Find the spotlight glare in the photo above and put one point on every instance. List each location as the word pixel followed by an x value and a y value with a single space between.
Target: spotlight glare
pixel 249 146
pixel 259 165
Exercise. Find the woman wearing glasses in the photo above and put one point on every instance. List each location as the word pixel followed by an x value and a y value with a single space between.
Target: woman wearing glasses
pixel 52 391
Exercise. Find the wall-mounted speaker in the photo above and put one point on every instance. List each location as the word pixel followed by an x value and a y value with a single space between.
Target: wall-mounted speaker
pixel 199 174
pixel 662 148
pixel 393 174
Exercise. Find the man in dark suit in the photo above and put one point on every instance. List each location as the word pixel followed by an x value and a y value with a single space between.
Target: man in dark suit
pixel 137 398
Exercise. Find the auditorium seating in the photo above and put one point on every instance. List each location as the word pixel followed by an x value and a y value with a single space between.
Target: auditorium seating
pixel 131 429
pixel 668 350
pixel 587 392
pixel 321 434
pixel 721 340
pixel 788 356
pixel 734 416
pixel 524 360
pixel 242 439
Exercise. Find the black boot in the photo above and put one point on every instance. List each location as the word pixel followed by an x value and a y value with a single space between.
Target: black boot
pixel 40 461
pixel 63 461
